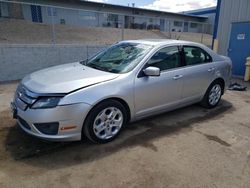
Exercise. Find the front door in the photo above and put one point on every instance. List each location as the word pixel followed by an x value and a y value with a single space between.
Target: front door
pixel 239 47
pixel 156 93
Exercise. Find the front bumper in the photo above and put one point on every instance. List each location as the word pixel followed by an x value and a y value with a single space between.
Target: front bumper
pixel 70 119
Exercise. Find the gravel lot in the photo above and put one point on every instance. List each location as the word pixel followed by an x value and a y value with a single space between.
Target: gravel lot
pixel 190 147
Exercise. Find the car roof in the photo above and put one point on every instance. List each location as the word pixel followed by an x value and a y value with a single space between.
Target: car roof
pixel 159 42
pixel 162 42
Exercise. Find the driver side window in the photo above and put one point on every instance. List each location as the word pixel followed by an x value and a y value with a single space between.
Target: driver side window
pixel 165 58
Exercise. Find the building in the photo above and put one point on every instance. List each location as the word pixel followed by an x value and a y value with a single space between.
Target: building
pixel 92 14
pixel 10 10
pixel 232 31
pixel 208 12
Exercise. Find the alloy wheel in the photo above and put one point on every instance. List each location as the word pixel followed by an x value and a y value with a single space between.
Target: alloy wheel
pixel 214 94
pixel 108 123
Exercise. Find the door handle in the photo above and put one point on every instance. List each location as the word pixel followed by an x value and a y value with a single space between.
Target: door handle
pixel 176 77
pixel 211 69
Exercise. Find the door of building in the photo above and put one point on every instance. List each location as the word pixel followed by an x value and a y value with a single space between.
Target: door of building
pixel 185 27
pixel 162 24
pixel 239 46
pixel 36 13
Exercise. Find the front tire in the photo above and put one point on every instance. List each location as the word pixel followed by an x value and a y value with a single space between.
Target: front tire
pixel 105 121
pixel 213 95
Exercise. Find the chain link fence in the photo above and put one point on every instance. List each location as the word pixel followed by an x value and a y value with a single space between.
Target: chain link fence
pixel 33 23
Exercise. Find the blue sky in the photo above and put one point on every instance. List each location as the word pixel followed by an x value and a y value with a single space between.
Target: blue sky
pixel 165 5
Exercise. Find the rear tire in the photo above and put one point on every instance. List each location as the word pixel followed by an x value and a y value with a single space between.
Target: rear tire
pixel 105 121
pixel 213 95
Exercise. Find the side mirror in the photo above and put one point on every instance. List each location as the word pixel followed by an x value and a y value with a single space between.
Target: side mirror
pixel 152 71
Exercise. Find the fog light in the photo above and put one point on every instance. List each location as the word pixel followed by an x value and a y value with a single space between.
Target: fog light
pixel 23 123
pixel 48 128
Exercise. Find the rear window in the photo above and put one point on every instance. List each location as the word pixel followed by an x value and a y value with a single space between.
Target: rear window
pixel 196 55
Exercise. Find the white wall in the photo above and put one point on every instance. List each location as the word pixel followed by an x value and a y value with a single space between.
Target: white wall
pixel 19 60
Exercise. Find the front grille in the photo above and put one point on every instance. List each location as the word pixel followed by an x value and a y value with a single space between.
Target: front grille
pixel 23 97
pixel 23 123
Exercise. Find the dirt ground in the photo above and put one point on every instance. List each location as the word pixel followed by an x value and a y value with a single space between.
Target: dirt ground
pixel 190 147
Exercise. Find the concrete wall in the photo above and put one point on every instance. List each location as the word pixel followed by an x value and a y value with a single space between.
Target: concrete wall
pixel 231 11
pixel 19 60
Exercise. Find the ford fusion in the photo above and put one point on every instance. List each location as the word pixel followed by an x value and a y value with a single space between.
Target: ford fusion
pixel 128 81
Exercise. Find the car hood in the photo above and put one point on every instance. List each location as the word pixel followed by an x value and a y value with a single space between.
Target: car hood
pixel 65 78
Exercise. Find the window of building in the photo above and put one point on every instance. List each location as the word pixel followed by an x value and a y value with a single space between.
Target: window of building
pixel 166 58
pixel 4 10
pixel 51 11
pixel 195 55
pixel 177 24
pixel 62 21
pixel 87 15
pixel 193 25
pixel 112 18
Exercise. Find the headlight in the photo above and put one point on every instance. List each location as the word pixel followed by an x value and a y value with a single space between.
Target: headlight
pixel 46 102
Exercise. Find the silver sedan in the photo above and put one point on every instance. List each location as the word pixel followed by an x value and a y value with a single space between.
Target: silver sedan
pixel 128 81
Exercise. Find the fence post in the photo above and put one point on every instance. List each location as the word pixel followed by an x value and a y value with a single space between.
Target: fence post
pixel 53 26
pixel 202 30
pixel 123 22
pixel 87 51
pixel 98 19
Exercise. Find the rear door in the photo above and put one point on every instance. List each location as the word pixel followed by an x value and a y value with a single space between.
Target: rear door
pixel 155 93
pixel 199 72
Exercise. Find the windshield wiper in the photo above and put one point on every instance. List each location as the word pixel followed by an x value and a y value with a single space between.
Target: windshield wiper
pixel 97 67
pixel 84 62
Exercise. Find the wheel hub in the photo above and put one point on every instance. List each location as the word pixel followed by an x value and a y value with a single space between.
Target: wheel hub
pixel 108 123
pixel 215 94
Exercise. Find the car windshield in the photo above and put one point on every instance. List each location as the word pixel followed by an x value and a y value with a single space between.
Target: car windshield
pixel 119 58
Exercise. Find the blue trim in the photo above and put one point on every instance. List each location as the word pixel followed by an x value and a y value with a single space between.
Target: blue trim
pixel 216 21
pixel 203 12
